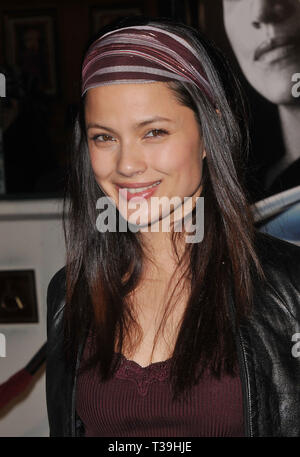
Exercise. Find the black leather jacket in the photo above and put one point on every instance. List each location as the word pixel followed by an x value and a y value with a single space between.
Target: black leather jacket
pixel 270 369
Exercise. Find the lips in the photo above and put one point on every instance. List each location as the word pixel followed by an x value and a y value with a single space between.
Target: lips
pixel 273 43
pixel 136 185
pixel 139 190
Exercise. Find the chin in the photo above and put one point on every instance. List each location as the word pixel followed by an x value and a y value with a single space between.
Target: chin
pixel 144 222
pixel 152 223
pixel 278 87
pixel 279 94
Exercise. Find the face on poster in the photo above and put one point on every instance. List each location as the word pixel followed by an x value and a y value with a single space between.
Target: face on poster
pixel 265 37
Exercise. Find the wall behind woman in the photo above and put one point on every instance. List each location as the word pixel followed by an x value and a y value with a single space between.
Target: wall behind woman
pixel 30 238
pixel 43 119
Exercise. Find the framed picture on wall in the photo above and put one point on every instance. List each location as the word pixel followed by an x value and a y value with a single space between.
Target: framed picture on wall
pixel 101 17
pixel 18 301
pixel 192 13
pixel 31 47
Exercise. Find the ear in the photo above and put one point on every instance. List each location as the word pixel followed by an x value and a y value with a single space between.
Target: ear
pixel 203 154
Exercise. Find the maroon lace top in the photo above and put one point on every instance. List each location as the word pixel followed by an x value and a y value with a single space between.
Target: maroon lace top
pixel 137 403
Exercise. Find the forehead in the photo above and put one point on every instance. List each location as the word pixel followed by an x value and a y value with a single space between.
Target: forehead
pixel 134 96
pixel 233 5
pixel 131 105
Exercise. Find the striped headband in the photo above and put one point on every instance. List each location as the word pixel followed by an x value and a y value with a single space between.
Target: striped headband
pixel 140 54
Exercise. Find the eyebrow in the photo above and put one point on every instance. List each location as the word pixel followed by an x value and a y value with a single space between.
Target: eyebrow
pixel 136 126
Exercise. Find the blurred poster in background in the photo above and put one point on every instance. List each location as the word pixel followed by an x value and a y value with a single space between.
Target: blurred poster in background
pixel 261 39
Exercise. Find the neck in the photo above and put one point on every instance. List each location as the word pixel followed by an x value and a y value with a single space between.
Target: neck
pixel 290 122
pixel 158 243
pixel 159 249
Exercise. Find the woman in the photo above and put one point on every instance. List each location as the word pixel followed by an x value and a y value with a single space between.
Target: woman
pixel 150 333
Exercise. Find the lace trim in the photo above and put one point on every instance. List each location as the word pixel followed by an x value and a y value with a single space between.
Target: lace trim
pixel 143 377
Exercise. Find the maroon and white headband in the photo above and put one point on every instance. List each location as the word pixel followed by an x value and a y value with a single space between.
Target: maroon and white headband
pixel 140 54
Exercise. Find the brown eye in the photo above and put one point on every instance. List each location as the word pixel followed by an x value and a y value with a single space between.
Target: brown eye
pixel 156 133
pixel 103 138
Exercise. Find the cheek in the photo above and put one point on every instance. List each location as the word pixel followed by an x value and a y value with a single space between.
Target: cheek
pixel 102 164
pixel 239 33
pixel 180 157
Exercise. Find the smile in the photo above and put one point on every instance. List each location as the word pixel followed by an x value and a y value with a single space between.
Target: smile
pixel 141 189
pixel 134 191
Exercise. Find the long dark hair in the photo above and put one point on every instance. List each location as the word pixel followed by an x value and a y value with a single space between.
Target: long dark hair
pixel 102 269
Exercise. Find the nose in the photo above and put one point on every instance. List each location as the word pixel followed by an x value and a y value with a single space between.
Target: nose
pixel 130 161
pixel 270 11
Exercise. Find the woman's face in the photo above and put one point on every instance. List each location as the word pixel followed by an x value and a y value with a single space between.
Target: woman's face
pixel 139 135
pixel 265 36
